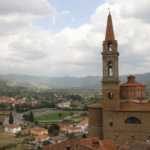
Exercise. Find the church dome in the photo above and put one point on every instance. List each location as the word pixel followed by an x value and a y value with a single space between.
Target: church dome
pixel 132 89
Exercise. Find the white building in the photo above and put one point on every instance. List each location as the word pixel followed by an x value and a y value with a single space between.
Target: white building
pixel 64 105
pixel 83 125
pixel 12 128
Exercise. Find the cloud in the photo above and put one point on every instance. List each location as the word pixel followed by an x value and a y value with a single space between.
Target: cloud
pixel 16 16
pixel 136 9
pixel 26 7
pixel 75 51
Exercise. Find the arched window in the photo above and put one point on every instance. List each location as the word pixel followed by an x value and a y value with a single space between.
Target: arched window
pixel 109 47
pixel 110 69
pixel 132 120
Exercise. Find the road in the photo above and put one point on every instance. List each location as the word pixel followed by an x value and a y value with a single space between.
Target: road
pixel 17 118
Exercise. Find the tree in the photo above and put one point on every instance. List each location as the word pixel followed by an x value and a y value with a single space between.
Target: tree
pixel 85 108
pixel 45 126
pixel 72 136
pixel 60 115
pixel 11 118
pixel 26 117
pixel 11 107
pixel 71 113
pixel 31 117
pixel 84 114
pixel 54 129
pixel 84 135
pixel 18 134
pixel 46 142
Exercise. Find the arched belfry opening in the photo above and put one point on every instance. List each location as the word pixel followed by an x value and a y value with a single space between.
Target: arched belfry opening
pixel 110 69
pixel 109 47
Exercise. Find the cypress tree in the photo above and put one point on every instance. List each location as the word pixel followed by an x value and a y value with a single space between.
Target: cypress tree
pixel 31 117
pixel 11 118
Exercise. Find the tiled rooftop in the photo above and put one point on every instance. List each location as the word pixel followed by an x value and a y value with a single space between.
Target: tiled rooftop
pixel 38 129
pixel 131 106
pixel 135 145
pixel 12 126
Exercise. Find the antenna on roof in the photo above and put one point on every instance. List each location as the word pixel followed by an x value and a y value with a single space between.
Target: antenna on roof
pixel 109 10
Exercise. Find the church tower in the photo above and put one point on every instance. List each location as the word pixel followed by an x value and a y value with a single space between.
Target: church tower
pixel 110 81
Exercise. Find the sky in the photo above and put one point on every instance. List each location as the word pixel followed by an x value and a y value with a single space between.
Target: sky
pixel 59 38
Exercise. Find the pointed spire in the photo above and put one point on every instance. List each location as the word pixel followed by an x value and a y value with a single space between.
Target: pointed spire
pixel 109 30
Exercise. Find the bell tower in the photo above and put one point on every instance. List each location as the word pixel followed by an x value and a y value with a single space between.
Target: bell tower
pixel 110 80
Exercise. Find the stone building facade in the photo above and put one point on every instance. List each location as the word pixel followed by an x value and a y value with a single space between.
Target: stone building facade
pixel 125 111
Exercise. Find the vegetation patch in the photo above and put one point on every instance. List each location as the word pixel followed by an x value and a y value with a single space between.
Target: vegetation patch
pixel 55 116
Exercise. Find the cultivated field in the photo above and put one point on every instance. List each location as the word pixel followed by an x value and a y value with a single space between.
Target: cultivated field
pixel 8 138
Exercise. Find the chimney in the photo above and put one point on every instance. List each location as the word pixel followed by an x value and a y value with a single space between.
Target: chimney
pixel 100 142
pixel 95 143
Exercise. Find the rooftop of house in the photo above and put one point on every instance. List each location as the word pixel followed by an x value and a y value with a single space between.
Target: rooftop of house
pixel 83 144
pixel 57 138
pixel 135 145
pixel 62 125
pixel 39 129
pixel 83 123
pixel 26 130
pixel 12 126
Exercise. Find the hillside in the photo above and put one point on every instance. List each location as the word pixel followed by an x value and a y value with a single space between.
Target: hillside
pixel 12 86
pixel 89 82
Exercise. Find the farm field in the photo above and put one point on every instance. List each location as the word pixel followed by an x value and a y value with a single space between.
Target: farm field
pixel 8 138
pixel 54 116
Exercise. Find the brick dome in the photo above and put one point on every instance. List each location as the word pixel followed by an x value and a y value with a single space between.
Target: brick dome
pixel 132 89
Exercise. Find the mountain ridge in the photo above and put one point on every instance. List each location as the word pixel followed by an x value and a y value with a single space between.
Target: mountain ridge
pixel 89 82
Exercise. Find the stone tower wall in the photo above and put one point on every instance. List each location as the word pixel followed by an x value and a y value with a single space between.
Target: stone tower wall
pixel 96 122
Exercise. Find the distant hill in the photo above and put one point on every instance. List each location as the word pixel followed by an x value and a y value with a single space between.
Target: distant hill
pixel 11 86
pixel 89 82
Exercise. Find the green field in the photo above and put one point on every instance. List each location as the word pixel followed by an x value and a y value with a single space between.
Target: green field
pixel 53 116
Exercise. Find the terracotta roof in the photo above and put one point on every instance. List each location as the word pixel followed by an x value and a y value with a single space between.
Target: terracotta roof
pixel 96 105
pixel 83 144
pixel 39 129
pixel 132 84
pixel 109 30
pixel 131 106
pixel 57 138
pixel 135 145
pixel 12 126
pixel 26 130
pixel 42 136
pixel 83 123
pixel 109 145
pixel 62 125
pixel 78 144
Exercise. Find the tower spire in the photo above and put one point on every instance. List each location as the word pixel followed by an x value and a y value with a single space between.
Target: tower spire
pixel 109 30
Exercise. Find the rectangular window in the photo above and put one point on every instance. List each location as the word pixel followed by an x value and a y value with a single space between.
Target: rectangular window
pixel 111 124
